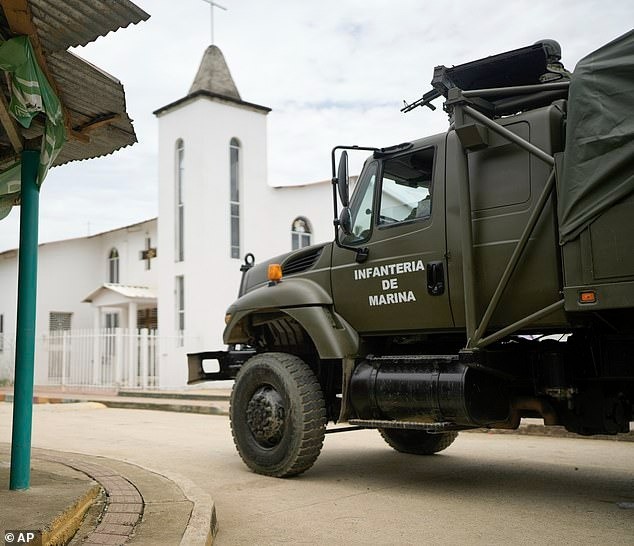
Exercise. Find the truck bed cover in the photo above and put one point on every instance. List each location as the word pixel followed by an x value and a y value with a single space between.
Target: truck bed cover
pixel 598 166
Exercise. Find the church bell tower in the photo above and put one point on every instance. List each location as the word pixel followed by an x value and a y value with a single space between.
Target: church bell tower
pixel 212 148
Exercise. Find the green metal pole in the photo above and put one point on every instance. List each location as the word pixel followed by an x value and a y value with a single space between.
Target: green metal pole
pixel 20 477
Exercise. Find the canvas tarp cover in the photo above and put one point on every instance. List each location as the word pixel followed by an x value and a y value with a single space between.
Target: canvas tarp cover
pixel 598 167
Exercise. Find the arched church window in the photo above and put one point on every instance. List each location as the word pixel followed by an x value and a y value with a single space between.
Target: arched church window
pixel 179 227
pixel 113 266
pixel 234 196
pixel 300 233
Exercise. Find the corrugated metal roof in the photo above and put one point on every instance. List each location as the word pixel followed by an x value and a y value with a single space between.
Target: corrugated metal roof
pixel 84 104
pixel 98 95
pixel 69 23
pixel 88 94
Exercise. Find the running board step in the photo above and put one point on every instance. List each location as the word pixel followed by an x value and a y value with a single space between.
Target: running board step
pixel 410 425
pixel 414 359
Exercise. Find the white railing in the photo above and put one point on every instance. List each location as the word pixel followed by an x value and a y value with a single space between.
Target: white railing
pixel 112 358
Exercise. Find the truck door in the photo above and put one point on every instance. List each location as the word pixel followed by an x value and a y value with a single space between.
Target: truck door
pixel 398 214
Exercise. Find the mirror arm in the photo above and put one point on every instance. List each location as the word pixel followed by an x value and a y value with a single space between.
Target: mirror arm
pixel 362 253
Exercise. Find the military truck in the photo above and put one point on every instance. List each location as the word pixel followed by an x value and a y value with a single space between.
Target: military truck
pixel 476 277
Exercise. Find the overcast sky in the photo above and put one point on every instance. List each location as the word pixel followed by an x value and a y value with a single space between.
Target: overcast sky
pixel 334 72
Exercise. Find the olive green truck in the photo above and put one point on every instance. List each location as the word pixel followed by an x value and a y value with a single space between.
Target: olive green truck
pixel 476 277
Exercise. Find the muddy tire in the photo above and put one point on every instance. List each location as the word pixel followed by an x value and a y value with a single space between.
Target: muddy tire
pixel 278 415
pixel 417 442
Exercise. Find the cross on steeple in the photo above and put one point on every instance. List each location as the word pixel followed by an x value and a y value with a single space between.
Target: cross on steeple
pixel 213 5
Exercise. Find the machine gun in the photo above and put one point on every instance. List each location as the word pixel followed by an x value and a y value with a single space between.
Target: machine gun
pixel 516 80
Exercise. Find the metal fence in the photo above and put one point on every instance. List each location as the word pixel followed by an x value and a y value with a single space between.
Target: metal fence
pixel 104 358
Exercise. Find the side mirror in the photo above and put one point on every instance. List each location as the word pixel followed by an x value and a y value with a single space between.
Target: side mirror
pixel 345 221
pixel 342 180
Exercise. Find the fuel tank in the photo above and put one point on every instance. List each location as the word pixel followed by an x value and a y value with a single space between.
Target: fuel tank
pixel 427 390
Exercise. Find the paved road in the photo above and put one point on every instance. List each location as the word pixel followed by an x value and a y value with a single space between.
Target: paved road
pixel 485 489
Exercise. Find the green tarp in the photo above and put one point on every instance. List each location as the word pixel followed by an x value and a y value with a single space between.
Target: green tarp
pixel 31 94
pixel 598 167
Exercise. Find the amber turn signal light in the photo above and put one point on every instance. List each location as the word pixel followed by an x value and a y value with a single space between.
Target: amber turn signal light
pixel 587 297
pixel 275 272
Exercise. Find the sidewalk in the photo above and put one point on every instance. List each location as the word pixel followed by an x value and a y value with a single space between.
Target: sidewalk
pixel 204 401
pixel 95 500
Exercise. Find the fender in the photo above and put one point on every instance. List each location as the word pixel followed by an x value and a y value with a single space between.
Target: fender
pixel 290 292
pixel 304 301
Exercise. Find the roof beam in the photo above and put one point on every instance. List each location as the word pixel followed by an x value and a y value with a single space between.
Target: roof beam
pixel 10 125
pixel 20 19
pixel 97 122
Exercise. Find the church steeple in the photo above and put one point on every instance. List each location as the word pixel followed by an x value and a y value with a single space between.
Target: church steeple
pixel 213 75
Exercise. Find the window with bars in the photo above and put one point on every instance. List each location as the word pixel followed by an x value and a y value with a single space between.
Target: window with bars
pixel 59 321
pixel 180 202
pixel 234 196
pixel 300 233
pixel 113 266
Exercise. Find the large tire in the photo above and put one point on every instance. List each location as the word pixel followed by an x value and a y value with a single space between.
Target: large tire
pixel 417 442
pixel 278 415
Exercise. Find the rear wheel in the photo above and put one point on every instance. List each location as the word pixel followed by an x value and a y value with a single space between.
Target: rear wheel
pixel 278 415
pixel 417 442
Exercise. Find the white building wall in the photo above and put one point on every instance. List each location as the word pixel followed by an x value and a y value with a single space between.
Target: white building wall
pixel 129 242
pixel 8 298
pixel 270 212
pixel 211 275
pixel 68 271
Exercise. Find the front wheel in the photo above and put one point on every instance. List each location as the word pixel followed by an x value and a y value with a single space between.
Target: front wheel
pixel 417 442
pixel 278 415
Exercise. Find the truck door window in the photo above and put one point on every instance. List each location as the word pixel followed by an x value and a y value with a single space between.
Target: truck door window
pixel 406 187
pixel 361 205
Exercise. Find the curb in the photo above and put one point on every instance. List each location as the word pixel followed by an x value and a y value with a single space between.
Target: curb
pixel 162 406
pixel 203 523
pixel 64 526
pixel 220 397
pixel 202 526
pixel 156 405
pixel 38 399
pixel 124 504
pixel 122 511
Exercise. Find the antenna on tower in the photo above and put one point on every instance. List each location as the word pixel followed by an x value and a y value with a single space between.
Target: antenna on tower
pixel 213 5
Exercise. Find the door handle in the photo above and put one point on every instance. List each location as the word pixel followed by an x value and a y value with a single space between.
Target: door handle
pixel 435 278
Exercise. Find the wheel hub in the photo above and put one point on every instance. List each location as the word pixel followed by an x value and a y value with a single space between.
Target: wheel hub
pixel 265 416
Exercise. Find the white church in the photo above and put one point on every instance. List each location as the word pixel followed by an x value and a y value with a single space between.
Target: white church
pixel 141 296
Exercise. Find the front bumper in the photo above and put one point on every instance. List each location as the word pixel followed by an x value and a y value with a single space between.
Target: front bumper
pixel 227 367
